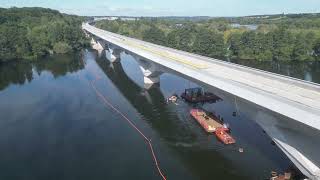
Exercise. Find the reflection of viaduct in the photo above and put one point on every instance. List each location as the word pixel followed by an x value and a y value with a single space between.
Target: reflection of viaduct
pixel 286 108
pixel 152 106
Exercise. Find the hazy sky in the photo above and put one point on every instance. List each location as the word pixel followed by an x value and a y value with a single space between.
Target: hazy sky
pixel 172 7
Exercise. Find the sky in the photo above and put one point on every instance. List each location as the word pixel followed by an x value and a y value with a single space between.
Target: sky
pixel 171 7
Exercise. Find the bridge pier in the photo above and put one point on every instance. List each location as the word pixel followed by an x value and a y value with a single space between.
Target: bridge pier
pixel 151 72
pixel 98 45
pixel 114 54
pixel 86 33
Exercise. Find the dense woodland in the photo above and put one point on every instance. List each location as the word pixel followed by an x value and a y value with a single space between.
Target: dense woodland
pixel 28 33
pixel 293 37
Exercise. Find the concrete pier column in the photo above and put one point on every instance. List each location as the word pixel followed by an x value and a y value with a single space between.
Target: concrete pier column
pixel 97 45
pixel 86 33
pixel 151 72
pixel 114 54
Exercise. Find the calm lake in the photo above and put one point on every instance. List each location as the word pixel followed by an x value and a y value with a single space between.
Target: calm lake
pixel 54 126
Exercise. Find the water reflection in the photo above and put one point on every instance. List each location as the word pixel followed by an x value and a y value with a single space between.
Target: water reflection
pixel 55 127
pixel 15 73
pixel 20 73
pixel 174 126
pixel 150 104
pixel 60 65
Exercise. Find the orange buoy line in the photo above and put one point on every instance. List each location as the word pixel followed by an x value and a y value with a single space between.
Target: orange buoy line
pixel 148 140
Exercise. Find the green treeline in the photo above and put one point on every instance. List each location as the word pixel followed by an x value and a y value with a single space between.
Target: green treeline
pixel 28 33
pixel 279 37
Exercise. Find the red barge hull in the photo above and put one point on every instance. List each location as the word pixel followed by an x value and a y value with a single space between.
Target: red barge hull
pixel 224 136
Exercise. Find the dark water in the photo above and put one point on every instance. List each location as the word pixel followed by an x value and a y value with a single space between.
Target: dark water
pixel 53 126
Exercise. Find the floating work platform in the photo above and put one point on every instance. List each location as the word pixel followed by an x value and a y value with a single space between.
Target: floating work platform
pixel 197 95
pixel 212 124
pixel 208 121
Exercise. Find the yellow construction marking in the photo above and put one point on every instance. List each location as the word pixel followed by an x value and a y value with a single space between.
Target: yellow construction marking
pixel 163 54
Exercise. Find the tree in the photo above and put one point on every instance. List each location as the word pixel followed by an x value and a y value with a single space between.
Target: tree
pixel 61 48
pixel 264 43
pixel 316 49
pixel 283 44
pixel 154 35
pixel 26 33
pixel 172 39
pixel 209 43
pixel 302 48
pixel 39 41
pixel 13 42
pixel 248 45
pixel 235 44
pixel 182 37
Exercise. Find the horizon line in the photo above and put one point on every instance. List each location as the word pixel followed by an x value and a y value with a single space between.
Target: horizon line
pixel 252 15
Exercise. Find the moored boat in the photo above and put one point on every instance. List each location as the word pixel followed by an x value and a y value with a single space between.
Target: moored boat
pixel 223 135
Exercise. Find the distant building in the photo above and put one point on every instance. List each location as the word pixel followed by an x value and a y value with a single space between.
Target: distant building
pixel 105 18
pixel 129 18
pixel 112 18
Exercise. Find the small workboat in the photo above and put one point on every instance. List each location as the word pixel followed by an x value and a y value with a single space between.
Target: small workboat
pixel 212 124
pixel 223 135
pixel 173 98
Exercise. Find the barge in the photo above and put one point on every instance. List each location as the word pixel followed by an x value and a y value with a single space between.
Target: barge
pixel 197 95
pixel 212 124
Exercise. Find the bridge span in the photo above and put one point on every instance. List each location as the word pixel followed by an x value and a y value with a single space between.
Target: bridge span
pixel 288 109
